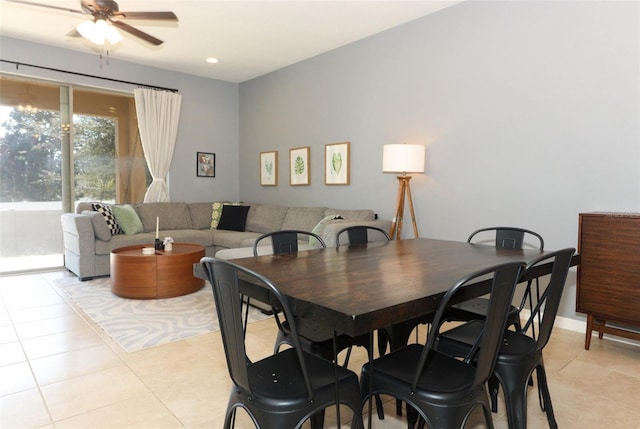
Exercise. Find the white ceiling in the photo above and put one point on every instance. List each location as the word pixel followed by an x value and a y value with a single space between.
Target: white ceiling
pixel 250 38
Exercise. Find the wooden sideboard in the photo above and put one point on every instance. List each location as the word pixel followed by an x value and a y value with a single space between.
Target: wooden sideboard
pixel 609 274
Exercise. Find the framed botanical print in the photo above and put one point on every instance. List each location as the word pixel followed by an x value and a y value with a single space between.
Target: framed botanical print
pixel 336 163
pixel 299 166
pixel 269 168
pixel 205 164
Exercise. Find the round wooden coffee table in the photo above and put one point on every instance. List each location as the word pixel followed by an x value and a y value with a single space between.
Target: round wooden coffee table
pixel 160 275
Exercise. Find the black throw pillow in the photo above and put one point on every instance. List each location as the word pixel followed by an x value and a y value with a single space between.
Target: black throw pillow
pixel 233 218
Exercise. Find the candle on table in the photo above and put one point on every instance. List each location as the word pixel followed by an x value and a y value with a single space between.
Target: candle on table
pixel 157 227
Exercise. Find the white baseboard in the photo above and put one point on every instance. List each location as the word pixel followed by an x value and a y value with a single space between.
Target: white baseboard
pixel 571 324
pixel 561 322
pixel 581 326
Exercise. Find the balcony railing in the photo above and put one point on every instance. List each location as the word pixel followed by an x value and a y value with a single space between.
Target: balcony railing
pixel 30 236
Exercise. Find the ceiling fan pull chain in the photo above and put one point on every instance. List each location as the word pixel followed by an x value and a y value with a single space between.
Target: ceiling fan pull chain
pixel 105 58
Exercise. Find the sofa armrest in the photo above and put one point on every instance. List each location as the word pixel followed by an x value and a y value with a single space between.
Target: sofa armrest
pixel 332 228
pixel 79 244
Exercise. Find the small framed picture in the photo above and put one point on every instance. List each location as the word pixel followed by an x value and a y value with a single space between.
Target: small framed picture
pixel 299 166
pixel 269 168
pixel 336 163
pixel 205 164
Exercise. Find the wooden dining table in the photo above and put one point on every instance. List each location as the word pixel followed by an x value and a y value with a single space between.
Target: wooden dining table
pixel 356 290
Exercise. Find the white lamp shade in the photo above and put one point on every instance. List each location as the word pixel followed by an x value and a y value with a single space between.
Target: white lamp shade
pixel 403 158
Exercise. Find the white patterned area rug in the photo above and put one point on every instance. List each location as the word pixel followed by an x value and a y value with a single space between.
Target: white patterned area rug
pixel 137 324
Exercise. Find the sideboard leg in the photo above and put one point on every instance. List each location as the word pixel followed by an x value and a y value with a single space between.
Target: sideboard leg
pixel 587 340
pixel 601 332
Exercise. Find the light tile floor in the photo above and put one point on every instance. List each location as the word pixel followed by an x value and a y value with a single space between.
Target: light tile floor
pixel 59 370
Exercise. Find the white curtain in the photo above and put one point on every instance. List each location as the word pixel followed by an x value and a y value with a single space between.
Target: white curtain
pixel 158 116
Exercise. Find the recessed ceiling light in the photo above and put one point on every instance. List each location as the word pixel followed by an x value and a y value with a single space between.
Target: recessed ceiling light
pixel 212 60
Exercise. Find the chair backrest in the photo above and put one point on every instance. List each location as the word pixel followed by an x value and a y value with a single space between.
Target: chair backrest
pixel 359 234
pixel 509 237
pixel 285 241
pixel 504 279
pixel 549 300
pixel 223 276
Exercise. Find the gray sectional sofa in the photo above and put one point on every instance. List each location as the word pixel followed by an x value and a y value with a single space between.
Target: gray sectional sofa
pixel 88 242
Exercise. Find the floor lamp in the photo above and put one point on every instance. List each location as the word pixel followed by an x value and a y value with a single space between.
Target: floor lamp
pixel 403 158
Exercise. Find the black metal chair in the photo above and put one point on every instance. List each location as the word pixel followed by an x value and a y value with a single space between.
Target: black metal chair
pixel 287 388
pixel 359 235
pixel 505 238
pixel 394 336
pixel 441 389
pixel 315 337
pixel 520 354
pixel 285 241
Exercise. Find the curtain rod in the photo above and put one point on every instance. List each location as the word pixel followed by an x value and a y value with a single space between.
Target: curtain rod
pixel 18 64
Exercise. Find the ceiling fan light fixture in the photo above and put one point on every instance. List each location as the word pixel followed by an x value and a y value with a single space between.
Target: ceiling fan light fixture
pixel 86 29
pixel 113 35
pixel 99 31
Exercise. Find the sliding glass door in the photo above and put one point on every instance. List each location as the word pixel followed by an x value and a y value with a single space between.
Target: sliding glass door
pixel 60 145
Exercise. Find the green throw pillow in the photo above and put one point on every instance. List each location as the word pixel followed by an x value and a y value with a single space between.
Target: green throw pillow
pixel 128 219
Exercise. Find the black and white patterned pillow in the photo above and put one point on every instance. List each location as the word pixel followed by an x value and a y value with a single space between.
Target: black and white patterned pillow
pixel 107 213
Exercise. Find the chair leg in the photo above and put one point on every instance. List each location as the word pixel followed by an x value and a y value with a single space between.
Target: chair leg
pixel 317 420
pixel 454 417
pixel 382 342
pixel 347 357
pixel 494 388
pixel 487 416
pixel 515 387
pixel 379 407
pixel 412 417
pixel 230 419
pixel 544 387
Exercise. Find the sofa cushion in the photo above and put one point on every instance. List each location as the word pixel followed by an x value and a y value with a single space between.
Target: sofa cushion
pixel 233 218
pixel 122 240
pixel 100 227
pixel 203 237
pixel 200 215
pixel 303 218
pixel 354 215
pixel 171 215
pixel 128 219
pixel 108 216
pixel 233 239
pixel 264 218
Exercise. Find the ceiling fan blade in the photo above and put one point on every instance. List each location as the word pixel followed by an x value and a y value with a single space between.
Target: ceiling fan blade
pixel 138 33
pixel 160 16
pixel 48 6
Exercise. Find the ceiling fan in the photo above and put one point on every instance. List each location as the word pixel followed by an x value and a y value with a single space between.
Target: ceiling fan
pixel 106 13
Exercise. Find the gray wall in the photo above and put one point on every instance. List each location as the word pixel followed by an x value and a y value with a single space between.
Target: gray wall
pixel 208 117
pixel 530 112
